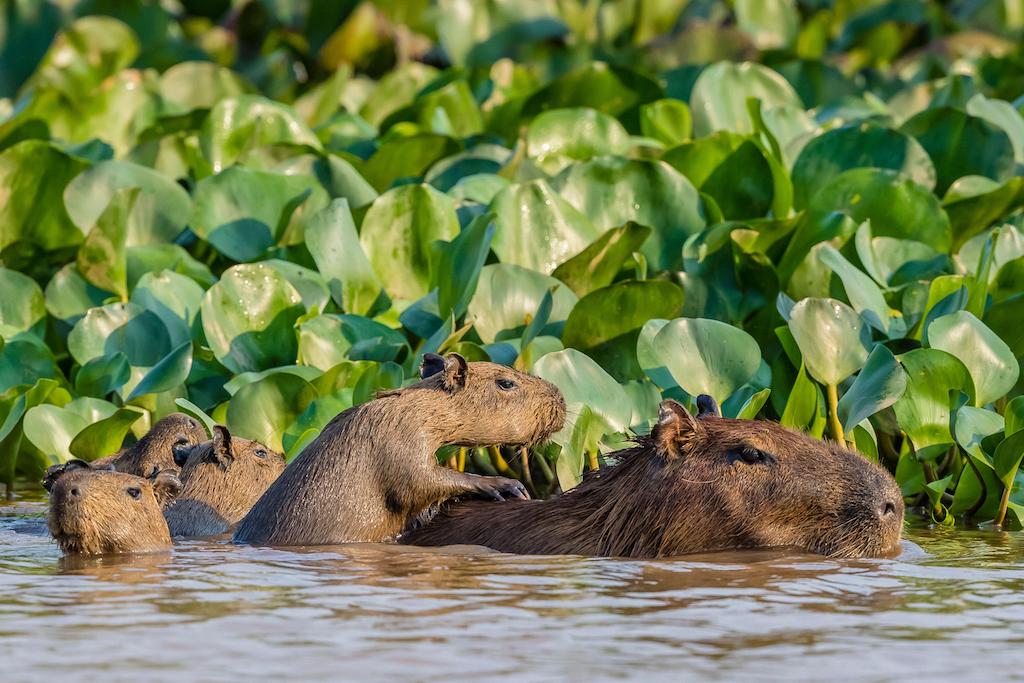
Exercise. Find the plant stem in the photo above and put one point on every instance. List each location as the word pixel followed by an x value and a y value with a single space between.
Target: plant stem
pixel 453 461
pixel 461 465
pixel 545 469
pixel 524 454
pixel 499 462
pixel 833 413
pixel 1003 504
pixel 592 460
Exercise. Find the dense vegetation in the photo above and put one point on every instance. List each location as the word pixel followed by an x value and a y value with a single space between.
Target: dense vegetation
pixel 265 210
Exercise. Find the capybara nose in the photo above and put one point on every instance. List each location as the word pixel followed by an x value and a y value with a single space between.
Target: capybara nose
pixel 887 509
pixel 74 492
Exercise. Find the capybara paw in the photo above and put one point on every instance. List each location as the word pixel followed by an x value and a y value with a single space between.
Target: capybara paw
pixel 502 488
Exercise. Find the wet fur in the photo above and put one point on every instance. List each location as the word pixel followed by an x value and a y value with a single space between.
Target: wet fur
pixel 679 491
pixel 156 448
pixel 373 467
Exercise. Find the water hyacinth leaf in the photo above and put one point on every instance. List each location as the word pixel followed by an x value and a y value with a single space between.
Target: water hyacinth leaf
pixel 611 191
pixel 22 306
pixel 263 410
pixel 152 258
pixel 12 427
pixel 770 23
pixel 833 339
pixel 606 323
pixel 406 157
pixel 459 263
pixel 238 382
pixel 974 203
pixel 102 375
pixel 597 265
pixel 242 212
pixel 310 285
pixel 69 295
pixel 805 403
pixel 101 258
pixel 237 125
pixel 536 228
pixel 667 121
pixel 960 144
pixel 719 97
pixel 333 242
pixel 924 410
pixel 249 316
pixel 707 356
pixel 1014 415
pixel 105 437
pixel 25 359
pixel 139 334
pixel 584 383
pixel 1001 114
pixel 991 363
pixel 598 85
pixel 174 298
pixel 508 296
pixel 200 85
pixel 858 145
pixel 864 295
pixel 51 429
pixel 195 411
pixel 878 385
pixel 396 90
pixel 752 406
pixel 170 372
pixel 974 425
pixel 1007 458
pixel 159 214
pixel 648 358
pixel 559 136
pixel 398 232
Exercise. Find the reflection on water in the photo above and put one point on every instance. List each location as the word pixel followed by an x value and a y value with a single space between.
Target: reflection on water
pixel 950 607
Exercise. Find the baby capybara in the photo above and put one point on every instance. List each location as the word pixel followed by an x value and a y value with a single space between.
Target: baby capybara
pixel 175 433
pixel 373 467
pixel 221 480
pixel 103 512
pixel 696 485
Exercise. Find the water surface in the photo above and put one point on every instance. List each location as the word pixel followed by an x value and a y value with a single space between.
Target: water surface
pixel 950 608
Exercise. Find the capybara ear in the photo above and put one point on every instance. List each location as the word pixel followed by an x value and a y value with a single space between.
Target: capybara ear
pixel 456 372
pixel 55 472
pixel 221 452
pixel 707 407
pixel 431 365
pixel 166 486
pixel 675 425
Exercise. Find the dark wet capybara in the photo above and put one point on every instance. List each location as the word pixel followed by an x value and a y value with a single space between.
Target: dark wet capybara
pixel 98 511
pixel 174 433
pixel 695 485
pixel 373 467
pixel 221 480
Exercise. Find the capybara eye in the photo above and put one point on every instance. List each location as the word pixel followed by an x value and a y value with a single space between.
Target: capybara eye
pixel 505 384
pixel 134 492
pixel 748 456
pixel 260 453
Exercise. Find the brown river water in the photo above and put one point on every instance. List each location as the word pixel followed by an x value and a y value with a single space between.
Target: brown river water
pixel 949 608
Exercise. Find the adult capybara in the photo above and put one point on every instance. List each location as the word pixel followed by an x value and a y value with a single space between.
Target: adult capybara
pixel 101 511
pixel 696 485
pixel 221 480
pixel 373 467
pixel 176 432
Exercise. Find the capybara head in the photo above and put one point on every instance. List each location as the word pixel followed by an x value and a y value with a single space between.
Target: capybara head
pixel 160 448
pixel 101 511
pixel 752 483
pixel 486 403
pixel 221 480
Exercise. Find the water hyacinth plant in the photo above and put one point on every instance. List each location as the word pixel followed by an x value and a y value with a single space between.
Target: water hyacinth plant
pixel 264 212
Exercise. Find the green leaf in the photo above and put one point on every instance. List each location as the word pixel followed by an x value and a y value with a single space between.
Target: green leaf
pixel 960 144
pixel 333 242
pixel 924 410
pixel 170 372
pixel 770 23
pixel 667 121
pixel 200 85
pixel 805 403
pixel 100 376
pixel 137 333
pixel 196 412
pixel 989 360
pixel 597 265
pixel 719 97
pixel 1014 415
pixel 52 429
pixel 752 406
pixel 606 323
pixel 1007 458
pixel 832 338
pixel 26 360
pixel 612 191
pixel 398 232
pixel 707 356
pixel 22 306
pixel 878 385
pixel 536 228
pixel 974 425
pixel 559 136
pixel 508 296
pixel 584 383
pixel 239 125
pixel 249 316
pixel 459 264
pixel 409 157
pixel 1002 114
pixel 173 298
pixel 104 437
pixel 12 428
pixel 598 85
pixel 864 295
pixel 263 410
pixel 101 258
pixel 974 203
pixel 159 214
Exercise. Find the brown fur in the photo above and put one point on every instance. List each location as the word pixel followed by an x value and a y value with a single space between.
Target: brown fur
pixel 103 512
pixel 221 480
pixel 688 489
pixel 373 467
pixel 156 449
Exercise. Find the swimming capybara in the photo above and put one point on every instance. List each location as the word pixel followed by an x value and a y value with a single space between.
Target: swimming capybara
pixel 104 512
pixel 695 485
pixel 374 467
pixel 221 480
pixel 176 432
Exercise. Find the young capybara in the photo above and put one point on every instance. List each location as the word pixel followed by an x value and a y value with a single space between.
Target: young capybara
pixel 104 512
pixel 221 480
pixel 373 467
pixel 697 485
pixel 175 433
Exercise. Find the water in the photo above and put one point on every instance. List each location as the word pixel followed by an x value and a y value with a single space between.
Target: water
pixel 950 608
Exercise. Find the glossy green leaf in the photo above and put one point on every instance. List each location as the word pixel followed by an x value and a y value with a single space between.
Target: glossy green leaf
pixel 22 306
pixel 991 363
pixel 833 339
pixel 667 121
pixel 105 437
pixel 878 385
pixel 560 136
pixel 584 383
pixel 600 261
pixel 241 124
pixel 508 296
pixel 263 410
pixel 171 371
pixel 137 333
pixel 719 97
pixel 924 410
pixel 707 356
pixel 102 375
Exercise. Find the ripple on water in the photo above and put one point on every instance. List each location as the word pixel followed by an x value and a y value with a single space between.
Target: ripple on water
pixel 214 611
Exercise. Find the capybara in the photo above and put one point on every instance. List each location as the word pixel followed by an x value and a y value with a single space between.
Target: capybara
pixel 696 485
pixel 221 480
pixel 176 432
pixel 104 512
pixel 374 467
